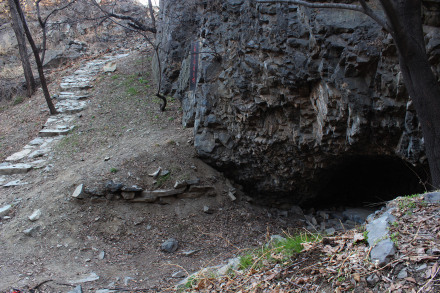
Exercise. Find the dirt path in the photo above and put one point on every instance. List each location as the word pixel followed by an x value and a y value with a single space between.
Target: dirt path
pixel 121 136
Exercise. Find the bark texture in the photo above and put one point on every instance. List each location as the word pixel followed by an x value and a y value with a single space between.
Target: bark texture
pixel 405 18
pixel 21 40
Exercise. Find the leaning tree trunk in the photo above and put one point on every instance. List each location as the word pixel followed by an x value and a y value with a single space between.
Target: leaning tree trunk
pixel 52 109
pixel 21 40
pixel 420 81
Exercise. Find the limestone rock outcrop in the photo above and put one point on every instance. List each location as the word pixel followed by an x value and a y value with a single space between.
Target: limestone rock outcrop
pixel 286 95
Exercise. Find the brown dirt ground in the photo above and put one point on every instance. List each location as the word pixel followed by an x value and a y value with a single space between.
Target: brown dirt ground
pixel 122 122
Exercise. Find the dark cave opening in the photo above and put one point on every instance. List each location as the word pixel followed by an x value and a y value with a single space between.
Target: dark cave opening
pixel 367 181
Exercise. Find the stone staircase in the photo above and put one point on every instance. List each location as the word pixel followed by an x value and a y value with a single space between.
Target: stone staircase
pixel 72 99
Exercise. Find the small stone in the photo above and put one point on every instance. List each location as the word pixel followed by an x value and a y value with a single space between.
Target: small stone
pixel 113 187
pixel 402 274
pixel 357 215
pixel 372 280
pixel 79 192
pixel 133 188
pixel 5 210
pixel 433 197
pixel 31 231
pixel 276 239
pixel 86 278
pixel 189 252
pixel 207 210
pixel 382 251
pixel 194 181
pixel 330 231
pixel 110 67
pixel 101 255
pixel 170 245
pixel 77 289
pixel 164 173
pixel 232 196
pixel 35 215
pixel 156 173
pixel 179 274
pixel 128 195
pixel 106 158
pixel 180 184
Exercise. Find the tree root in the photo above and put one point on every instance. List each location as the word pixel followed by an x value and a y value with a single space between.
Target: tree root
pixel 164 99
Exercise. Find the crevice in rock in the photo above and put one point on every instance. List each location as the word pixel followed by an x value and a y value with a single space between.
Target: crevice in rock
pixel 362 181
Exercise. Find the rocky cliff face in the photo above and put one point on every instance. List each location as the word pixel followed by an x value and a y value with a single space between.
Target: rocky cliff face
pixel 290 100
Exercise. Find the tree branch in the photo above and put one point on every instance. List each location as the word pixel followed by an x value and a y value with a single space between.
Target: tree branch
pixel 364 8
pixel 134 22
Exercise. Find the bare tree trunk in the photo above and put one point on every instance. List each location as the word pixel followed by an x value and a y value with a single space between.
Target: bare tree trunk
pixel 52 109
pixel 422 86
pixel 21 40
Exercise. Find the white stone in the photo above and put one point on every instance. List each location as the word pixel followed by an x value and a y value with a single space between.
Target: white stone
pixel 5 210
pixel 79 192
pixel 15 183
pixel 10 169
pixel 86 278
pixel 54 132
pixel 35 215
pixel 110 67
pixel 37 141
pixel 18 156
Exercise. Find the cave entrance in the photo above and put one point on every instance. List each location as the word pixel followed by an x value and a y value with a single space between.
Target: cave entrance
pixel 368 181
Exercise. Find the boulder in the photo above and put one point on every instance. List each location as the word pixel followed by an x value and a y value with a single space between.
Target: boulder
pixel 283 110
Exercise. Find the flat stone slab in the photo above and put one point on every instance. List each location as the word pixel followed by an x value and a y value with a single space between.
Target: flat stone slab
pixel 10 169
pixel 19 155
pixel 54 132
pixel 163 192
pixel 37 141
pixel 15 183
pixel 86 278
pixel 70 106
pixel 5 210
pixel 72 96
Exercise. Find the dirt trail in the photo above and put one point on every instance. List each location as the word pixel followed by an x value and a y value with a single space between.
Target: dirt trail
pixel 121 136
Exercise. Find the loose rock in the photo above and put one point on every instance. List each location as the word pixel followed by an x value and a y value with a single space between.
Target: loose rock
pixel 170 245
pixel 35 215
pixel 79 192
pixel 113 187
pixel 5 210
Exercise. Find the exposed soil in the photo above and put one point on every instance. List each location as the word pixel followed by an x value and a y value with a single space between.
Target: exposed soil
pixel 121 136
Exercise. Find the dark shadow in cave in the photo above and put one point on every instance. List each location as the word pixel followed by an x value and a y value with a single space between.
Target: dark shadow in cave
pixel 367 181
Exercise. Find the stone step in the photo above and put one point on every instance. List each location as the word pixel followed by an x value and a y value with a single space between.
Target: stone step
pixel 66 86
pixel 11 169
pixel 19 155
pixel 70 106
pixel 47 132
pixel 72 96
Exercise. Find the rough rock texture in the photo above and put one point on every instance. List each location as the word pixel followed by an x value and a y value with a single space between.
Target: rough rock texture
pixel 287 96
